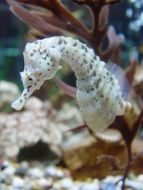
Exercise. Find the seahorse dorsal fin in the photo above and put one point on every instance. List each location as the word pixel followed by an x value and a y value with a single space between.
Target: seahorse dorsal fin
pixel 120 76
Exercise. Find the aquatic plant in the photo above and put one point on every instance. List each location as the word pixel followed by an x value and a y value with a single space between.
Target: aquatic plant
pixel 51 18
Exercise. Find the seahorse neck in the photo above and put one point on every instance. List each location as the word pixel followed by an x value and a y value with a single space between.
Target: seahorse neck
pixel 77 55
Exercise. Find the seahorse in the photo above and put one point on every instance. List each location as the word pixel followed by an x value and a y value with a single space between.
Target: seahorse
pixel 102 90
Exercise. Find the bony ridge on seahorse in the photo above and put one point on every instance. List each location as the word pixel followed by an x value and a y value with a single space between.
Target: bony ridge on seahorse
pixel 102 89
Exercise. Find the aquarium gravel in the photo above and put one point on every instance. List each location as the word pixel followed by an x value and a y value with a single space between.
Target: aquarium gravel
pixel 41 176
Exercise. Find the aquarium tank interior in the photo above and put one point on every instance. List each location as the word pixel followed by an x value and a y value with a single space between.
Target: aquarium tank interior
pixel 71 95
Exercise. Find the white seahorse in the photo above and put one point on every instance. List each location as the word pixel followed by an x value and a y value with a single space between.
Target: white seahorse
pixel 101 88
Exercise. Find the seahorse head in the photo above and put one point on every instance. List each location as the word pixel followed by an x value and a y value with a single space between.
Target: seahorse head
pixel 40 64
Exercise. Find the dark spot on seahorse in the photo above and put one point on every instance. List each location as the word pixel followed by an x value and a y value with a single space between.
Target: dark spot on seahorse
pixel 28 88
pixel 98 82
pixel 52 59
pixel 94 73
pixel 64 42
pixel 39 51
pixel 112 83
pixel 25 94
pixel 92 60
pixel 94 57
pixel 63 49
pixel 85 61
pixel 87 91
pixel 75 44
pixel 31 54
pixel 47 53
pixel 111 78
pixel 91 66
pixel 107 98
pixel 60 41
pixel 44 57
pixel 20 101
pixel 84 48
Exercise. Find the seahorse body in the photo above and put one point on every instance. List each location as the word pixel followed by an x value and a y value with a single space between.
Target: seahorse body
pixel 99 93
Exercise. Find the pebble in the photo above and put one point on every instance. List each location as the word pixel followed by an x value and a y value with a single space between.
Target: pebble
pixel 4 164
pixel 35 173
pixel 66 183
pixel 50 171
pixel 9 171
pixel 35 176
pixel 90 186
pixel 45 183
pixel 18 182
pixel 108 186
pixel 22 169
pixel 54 172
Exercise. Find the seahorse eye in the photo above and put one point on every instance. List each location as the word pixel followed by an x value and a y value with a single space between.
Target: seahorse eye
pixel 30 79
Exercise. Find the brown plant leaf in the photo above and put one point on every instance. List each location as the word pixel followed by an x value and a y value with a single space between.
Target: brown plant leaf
pixel 113 50
pixel 130 72
pixel 103 19
pixel 69 90
pixel 33 20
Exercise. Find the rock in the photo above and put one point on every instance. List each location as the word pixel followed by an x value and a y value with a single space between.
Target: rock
pixel 8 92
pixel 66 183
pixel 35 173
pixel 22 169
pixel 8 180
pixel 13 150
pixel 91 186
pixel 18 183
pixel 4 164
pixel 54 172
pixel 9 171
pixel 29 127
pixel 45 183
pixel 82 152
pixel 6 187
pixel 70 116
pixel 50 171
pixel 108 186
pixel 33 104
